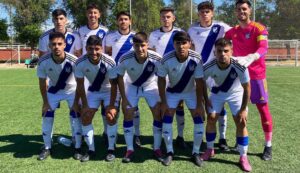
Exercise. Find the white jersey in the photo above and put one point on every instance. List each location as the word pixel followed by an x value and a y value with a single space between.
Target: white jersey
pixel 205 38
pixel 181 75
pixel 228 80
pixel 162 41
pixel 85 33
pixel 119 43
pixel 98 75
pixel 61 76
pixel 140 75
pixel 72 41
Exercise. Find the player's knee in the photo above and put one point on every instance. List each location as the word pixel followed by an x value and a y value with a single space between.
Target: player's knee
pixel 211 119
pixel 241 124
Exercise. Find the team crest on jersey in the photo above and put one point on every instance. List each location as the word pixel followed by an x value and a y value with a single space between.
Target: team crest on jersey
pixel 215 29
pixel 192 67
pixel 68 69
pixel 103 69
pixel 150 68
pixel 247 35
pixel 70 41
pixel 131 41
pixel 233 75
pixel 101 35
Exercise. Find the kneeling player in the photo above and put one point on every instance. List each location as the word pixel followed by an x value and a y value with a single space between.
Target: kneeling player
pixel 184 70
pixel 58 67
pixel 140 65
pixel 98 68
pixel 231 85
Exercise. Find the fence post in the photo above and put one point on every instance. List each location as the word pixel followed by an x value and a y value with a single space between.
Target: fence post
pixel 297 53
pixel 19 55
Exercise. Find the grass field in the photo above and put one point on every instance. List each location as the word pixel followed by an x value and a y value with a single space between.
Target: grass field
pixel 20 132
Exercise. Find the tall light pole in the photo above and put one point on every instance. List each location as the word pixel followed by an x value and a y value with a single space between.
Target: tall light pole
pixel 130 7
pixel 191 11
pixel 254 9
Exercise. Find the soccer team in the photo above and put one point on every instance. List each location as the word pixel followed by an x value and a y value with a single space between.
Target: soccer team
pixel 92 68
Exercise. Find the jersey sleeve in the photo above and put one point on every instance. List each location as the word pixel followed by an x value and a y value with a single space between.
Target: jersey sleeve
pixel 107 41
pixel 43 45
pixel 162 70
pixel 112 72
pixel 228 34
pixel 77 43
pixel 262 39
pixel 78 71
pixel 41 71
pixel 244 77
pixel 121 68
pixel 151 41
pixel 199 70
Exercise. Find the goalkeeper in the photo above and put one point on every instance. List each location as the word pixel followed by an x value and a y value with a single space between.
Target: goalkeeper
pixel 249 40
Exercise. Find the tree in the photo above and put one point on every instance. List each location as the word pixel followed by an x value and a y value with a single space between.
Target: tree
pixel 115 7
pixel 284 21
pixel 3 29
pixel 77 8
pixel 29 14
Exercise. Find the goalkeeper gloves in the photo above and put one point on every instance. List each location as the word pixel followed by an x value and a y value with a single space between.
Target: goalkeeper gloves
pixel 247 60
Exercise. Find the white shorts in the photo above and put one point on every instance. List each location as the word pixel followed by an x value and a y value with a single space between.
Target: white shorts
pixel 94 99
pixel 55 99
pixel 189 98
pixel 234 101
pixel 134 93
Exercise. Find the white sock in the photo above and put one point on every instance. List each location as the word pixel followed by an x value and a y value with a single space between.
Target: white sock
pixel 88 132
pixel 112 136
pixel 198 135
pixel 47 127
pixel 222 126
pixel 168 136
pixel 77 131
pixel 136 123
pixel 243 150
pixel 180 122
pixel 128 134
pixel 157 135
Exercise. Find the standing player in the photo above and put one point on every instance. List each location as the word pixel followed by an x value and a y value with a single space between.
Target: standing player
pixel 204 34
pixel 231 85
pixel 93 27
pixel 184 70
pixel 161 41
pixel 250 38
pixel 98 69
pixel 59 19
pixel 58 67
pixel 116 44
pixel 141 66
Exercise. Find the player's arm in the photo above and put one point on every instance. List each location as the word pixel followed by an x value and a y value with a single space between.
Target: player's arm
pixel 81 92
pixel 75 106
pixel 43 91
pixel 114 90
pixel 200 85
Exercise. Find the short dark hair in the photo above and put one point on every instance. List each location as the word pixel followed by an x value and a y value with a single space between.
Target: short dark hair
pixel 242 2
pixel 58 12
pixel 223 42
pixel 206 5
pixel 54 35
pixel 94 40
pixel 93 6
pixel 167 9
pixel 181 36
pixel 123 13
pixel 140 37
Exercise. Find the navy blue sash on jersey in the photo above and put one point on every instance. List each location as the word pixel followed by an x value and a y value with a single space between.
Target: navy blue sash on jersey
pixel 226 85
pixel 61 82
pixel 185 78
pixel 125 48
pixel 170 46
pixel 209 43
pixel 96 85
pixel 70 39
pixel 148 70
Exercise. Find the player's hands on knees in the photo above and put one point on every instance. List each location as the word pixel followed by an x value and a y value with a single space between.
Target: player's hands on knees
pixel 163 108
pixel 208 106
pixel 111 113
pixel 45 108
pixel 75 107
pixel 242 115
pixel 86 115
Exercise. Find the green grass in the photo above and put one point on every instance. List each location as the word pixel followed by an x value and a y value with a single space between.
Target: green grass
pixel 20 132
